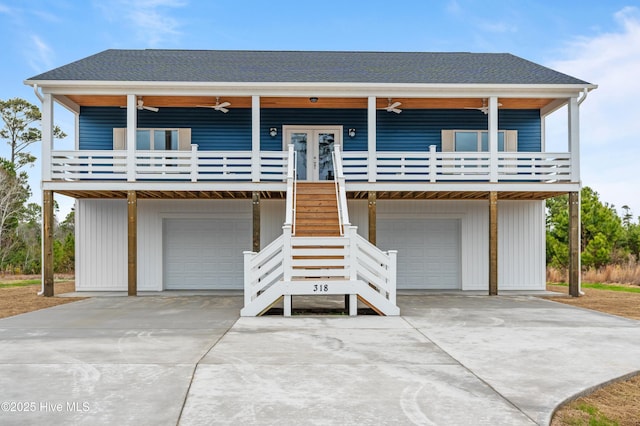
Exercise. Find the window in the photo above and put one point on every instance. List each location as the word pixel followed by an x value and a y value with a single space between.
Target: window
pixel 154 139
pixel 157 139
pixel 477 140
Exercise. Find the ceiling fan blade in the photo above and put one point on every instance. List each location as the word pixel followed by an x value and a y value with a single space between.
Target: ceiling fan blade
pixel 148 108
pixel 224 110
pixel 396 110
pixel 224 104
pixel 394 105
pixel 205 106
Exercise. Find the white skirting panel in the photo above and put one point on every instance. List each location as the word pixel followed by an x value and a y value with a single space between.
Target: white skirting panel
pixel 521 238
pixel 101 245
pixel 101 236
pixel 521 245
pixel 272 216
pixel 474 231
pixel 359 216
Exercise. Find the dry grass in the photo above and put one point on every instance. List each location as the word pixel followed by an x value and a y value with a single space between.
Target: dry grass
pixel 628 273
pixel 19 300
pixel 618 403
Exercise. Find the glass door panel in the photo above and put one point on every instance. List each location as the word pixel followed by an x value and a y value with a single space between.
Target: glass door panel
pixel 314 147
pixel 326 140
pixel 300 146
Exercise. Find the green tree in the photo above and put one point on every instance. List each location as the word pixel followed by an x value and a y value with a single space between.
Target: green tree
pixel 557 222
pixel 14 192
pixel 602 233
pixel 64 244
pixel 20 129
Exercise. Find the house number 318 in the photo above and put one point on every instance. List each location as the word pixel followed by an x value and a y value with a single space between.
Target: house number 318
pixel 320 288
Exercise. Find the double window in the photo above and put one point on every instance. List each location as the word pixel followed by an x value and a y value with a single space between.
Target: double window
pixel 158 139
pixel 477 140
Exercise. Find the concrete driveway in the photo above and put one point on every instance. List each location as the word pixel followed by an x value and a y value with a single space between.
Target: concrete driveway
pixel 450 359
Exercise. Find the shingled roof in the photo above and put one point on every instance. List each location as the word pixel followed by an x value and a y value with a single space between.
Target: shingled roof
pixel 307 67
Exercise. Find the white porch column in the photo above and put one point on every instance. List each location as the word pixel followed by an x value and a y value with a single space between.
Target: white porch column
pixel 255 138
pixel 47 135
pixel 493 139
pixel 371 132
pixel 132 126
pixel 574 138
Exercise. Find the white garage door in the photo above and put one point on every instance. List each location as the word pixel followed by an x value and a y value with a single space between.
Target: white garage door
pixel 428 251
pixel 205 254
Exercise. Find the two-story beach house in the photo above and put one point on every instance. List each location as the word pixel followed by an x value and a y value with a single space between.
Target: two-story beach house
pixel 296 172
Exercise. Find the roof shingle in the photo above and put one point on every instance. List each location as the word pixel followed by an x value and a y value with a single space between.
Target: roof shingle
pixel 307 67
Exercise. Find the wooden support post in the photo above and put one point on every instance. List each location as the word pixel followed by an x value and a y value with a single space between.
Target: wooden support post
pixel 574 244
pixel 47 243
pixel 493 243
pixel 372 217
pixel 132 248
pixel 256 221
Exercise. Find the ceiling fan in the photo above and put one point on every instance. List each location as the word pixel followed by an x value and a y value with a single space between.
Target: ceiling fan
pixel 392 107
pixel 140 106
pixel 484 108
pixel 218 106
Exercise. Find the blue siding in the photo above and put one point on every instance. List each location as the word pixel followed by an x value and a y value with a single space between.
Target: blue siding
pixel 348 118
pixel 210 130
pixel 413 130
pixel 416 130
pixel 97 124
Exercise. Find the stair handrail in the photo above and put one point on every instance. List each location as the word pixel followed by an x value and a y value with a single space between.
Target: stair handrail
pixel 375 266
pixel 341 191
pixel 290 215
pixel 263 269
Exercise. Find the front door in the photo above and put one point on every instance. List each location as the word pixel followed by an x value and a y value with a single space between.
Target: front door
pixel 313 146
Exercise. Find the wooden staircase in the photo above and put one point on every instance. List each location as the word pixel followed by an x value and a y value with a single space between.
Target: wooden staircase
pixel 316 210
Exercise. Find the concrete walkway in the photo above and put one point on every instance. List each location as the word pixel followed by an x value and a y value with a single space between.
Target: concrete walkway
pixel 449 360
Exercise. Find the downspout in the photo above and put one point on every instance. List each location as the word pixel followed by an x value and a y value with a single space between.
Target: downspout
pixel 585 92
pixel 37 92
pixel 41 292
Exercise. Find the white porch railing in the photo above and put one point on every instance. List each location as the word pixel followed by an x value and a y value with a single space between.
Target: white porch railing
pixel 434 166
pixel 191 165
pixel 430 166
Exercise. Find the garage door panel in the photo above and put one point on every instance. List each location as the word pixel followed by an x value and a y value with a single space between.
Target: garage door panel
pixel 428 251
pixel 205 254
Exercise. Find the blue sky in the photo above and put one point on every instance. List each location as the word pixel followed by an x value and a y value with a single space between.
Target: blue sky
pixel 597 41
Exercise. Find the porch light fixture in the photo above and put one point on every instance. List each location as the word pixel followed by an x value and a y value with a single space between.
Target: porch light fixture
pixel 273 132
pixel 313 100
pixel 352 133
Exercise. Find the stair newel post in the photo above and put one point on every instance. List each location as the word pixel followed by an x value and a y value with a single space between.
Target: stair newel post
pixel 248 277
pixel 353 253
pixel 393 255
pixel 286 266
pixel 353 266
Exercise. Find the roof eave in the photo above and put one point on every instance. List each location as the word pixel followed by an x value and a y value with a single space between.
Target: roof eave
pixel 345 89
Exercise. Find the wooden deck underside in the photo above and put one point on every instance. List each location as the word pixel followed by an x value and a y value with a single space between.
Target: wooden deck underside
pixel 265 195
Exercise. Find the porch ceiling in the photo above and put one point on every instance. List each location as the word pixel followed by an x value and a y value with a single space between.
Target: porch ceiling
pixel 303 102
pixel 388 195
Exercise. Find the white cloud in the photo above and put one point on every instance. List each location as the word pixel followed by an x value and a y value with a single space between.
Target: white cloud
pixel 39 55
pixel 498 27
pixel 610 117
pixel 150 20
pixel 453 7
